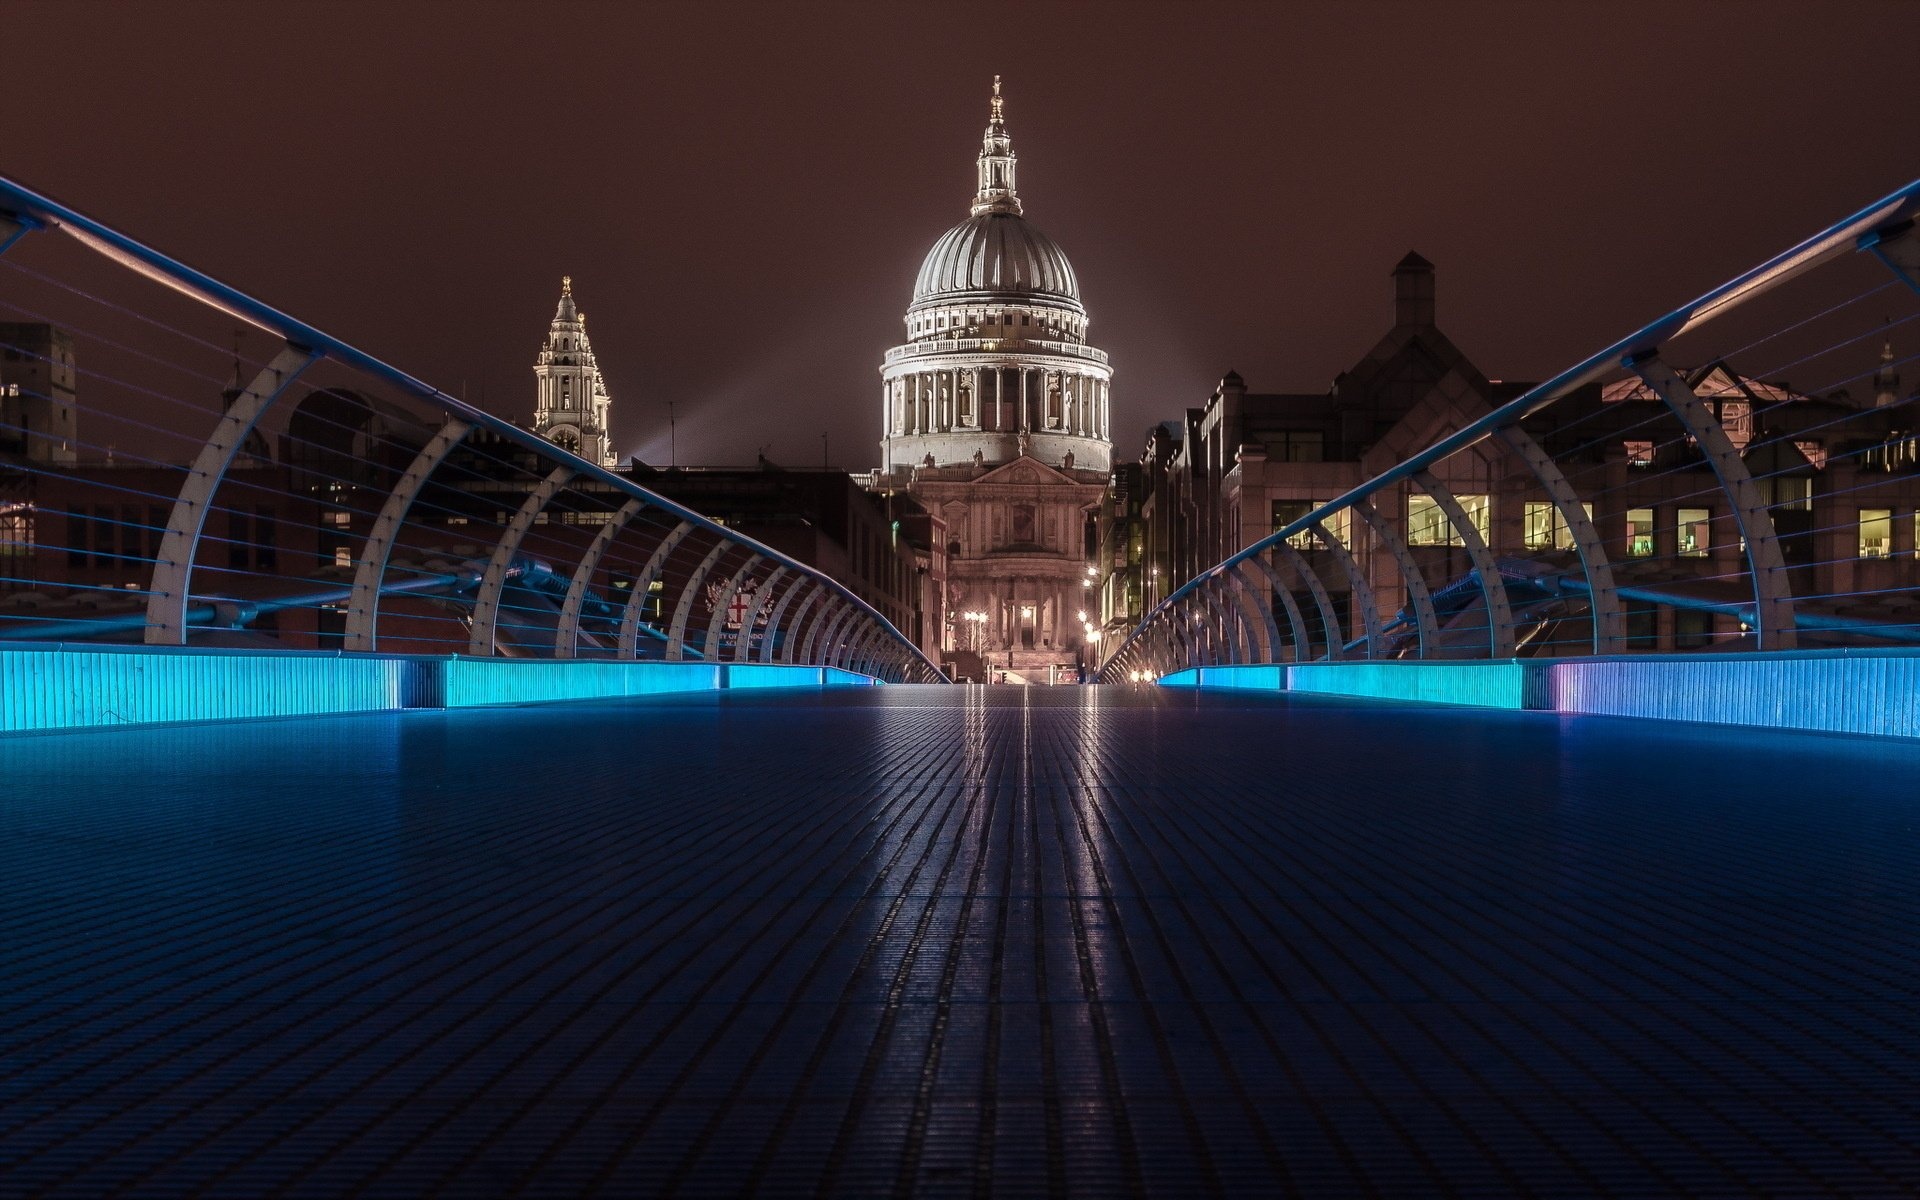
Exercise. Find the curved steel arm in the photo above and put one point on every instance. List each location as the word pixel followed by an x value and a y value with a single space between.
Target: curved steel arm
pixel 743 645
pixel 781 640
pixel 1330 625
pixel 370 573
pixel 643 587
pixel 1235 633
pixel 826 629
pixel 865 656
pixel 173 566
pixel 1426 622
pixel 710 647
pixel 1357 587
pixel 566 639
pixel 1255 601
pixel 1193 626
pixel 841 641
pixel 1492 587
pixel 1256 616
pixel 1302 644
pixel 683 608
pixel 1609 625
pixel 1773 624
pixel 486 605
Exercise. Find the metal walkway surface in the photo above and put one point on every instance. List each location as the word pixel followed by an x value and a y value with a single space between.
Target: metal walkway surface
pixel 959 942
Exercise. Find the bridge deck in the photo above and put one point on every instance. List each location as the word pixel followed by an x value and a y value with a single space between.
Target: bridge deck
pixel 956 941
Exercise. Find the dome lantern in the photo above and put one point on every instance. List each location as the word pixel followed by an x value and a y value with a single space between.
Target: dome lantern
pixel 996 194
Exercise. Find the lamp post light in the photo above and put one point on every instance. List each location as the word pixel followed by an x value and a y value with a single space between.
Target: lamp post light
pixel 975 619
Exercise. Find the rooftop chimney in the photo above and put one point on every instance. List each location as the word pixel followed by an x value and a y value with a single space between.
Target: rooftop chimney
pixel 1413 291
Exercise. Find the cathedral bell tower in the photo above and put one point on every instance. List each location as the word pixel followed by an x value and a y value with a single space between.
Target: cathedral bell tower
pixel 571 404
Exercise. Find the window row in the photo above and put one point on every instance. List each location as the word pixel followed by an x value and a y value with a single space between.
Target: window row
pixel 1543 527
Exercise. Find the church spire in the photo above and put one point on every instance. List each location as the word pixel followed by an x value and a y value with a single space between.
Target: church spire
pixel 996 194
pixel 566 311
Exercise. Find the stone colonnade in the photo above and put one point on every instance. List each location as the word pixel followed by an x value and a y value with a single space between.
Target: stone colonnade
pixel 1020 603
pixel 992 399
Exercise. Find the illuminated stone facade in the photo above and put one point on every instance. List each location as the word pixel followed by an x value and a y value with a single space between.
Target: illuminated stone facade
pixel 995 418
pixel 571 403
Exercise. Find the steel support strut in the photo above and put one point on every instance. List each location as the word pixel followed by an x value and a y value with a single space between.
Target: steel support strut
pixel 1357 587
pixel 1426 622
pixel 173 571
pixel 683 608
pixel 1773 625
pixel 1329 620
pixel 781 639
pixel 1302 644
pixel 1492 587
pixel 743 644
pixel 826 630
pixel 13 227
pixel 486 606
pixel 1256 616
pixel 370 573
pixel 566 639
pixel 636 604
pixel 1898 249
pixel 1609 624
pixel 839 648
pixel 710 646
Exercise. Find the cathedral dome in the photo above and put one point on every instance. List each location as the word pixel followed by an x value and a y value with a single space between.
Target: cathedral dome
pixel 996 255
pixel 996 365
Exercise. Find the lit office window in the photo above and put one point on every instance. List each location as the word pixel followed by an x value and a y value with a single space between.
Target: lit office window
pixel 1545 529
pixel 1286 512
pixel 1876 533
pixel 1426 524
pixel 1536 531
pixel 1694 538
pixel 16 530
pixel 1479 509
pixel 1640 532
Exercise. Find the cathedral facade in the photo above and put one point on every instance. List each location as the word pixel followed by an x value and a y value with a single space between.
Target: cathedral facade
pixel 995 419
pixel 571 402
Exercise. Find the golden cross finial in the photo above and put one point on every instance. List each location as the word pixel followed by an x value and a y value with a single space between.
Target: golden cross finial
pixel 996 97
pixel 566 285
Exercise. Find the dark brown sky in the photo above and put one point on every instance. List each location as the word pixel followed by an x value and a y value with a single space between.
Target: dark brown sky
pixel 743 193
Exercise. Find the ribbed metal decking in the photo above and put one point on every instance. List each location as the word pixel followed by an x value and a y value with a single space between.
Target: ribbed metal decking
pixel 959 942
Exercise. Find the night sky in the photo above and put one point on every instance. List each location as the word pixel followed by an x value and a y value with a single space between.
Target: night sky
pixel 743 194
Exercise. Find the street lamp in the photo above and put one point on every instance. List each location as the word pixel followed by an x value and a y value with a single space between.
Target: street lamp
pixel 975 619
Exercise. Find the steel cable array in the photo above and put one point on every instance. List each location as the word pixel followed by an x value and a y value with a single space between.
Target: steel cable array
pixel 159 487
pixel 1659 496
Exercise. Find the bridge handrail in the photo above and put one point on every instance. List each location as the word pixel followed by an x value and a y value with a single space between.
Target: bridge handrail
pixel 39 210
pixel 1882 222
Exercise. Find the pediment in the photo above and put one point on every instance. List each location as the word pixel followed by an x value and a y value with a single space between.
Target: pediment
pixel 1025 471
